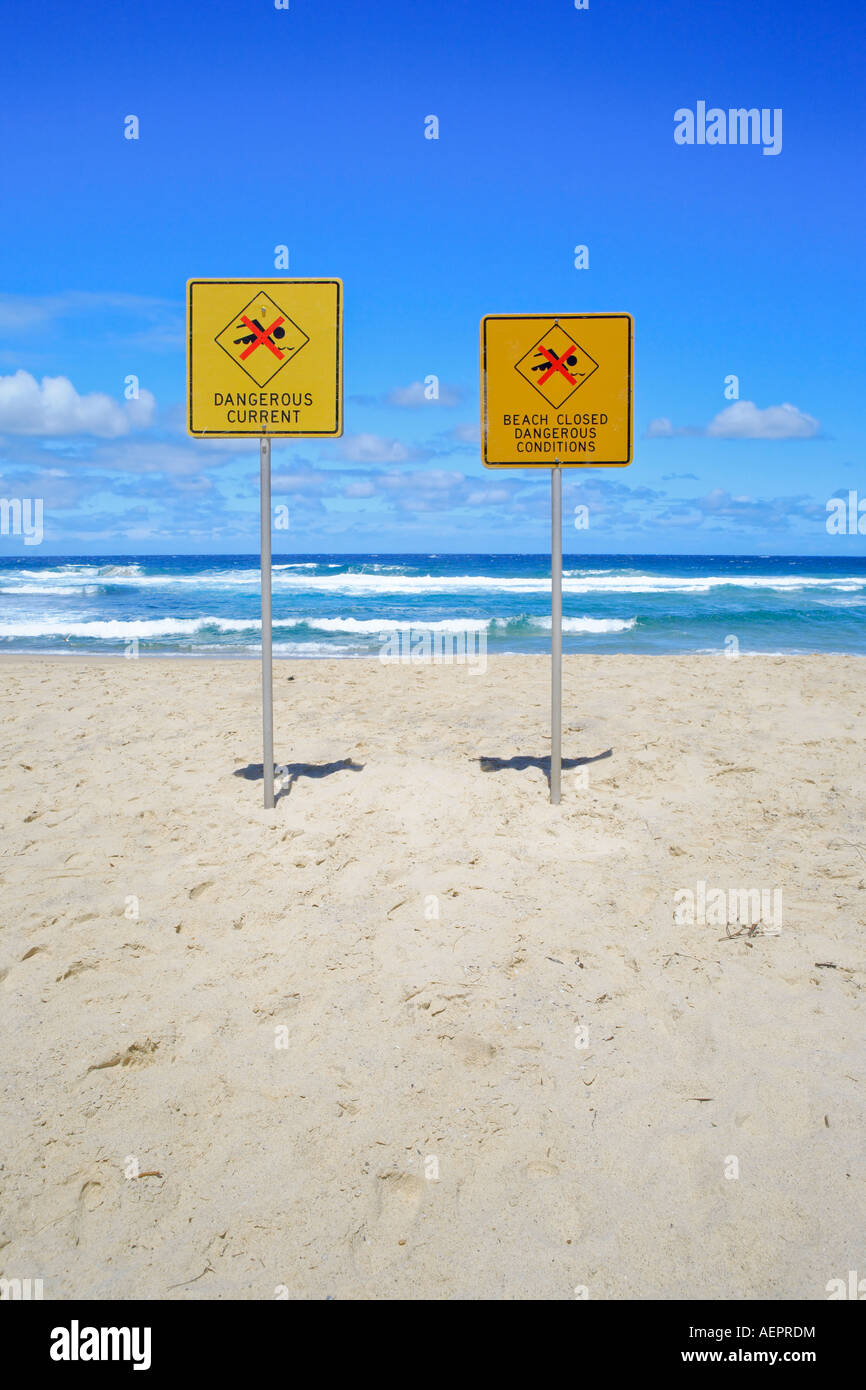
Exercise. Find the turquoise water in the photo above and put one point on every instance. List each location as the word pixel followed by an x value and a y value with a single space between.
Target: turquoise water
pixel 346 606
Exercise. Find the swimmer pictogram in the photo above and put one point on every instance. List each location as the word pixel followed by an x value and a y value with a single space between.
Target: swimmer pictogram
pixel 261 339
pixel 556 365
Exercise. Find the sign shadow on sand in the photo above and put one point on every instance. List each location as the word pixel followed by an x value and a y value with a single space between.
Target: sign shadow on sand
pixel 522 761
pixel 288 773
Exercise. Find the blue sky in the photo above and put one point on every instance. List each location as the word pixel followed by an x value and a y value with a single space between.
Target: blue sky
pixel 305 127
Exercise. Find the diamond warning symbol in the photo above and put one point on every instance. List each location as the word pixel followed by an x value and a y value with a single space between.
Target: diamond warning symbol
pixel 261 339
pixel 556 366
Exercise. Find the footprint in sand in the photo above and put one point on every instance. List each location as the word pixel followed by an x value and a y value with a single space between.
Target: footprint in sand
pixel 136 1055
pixel 399 1195
pixel 91 1196
pixel 77 968
pixel 386 1235
pixel 474 1051
pixel 539 1168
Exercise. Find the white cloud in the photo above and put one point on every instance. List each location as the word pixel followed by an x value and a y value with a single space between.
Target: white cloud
pixel 467 434
pixel 138 455
pixel 120 314
pixel 302 480
pixel 54 407
pixel 769 513
pixel 744 420
pixel 414 395
pixel 660 429
pixel 483 496
pixel 373 448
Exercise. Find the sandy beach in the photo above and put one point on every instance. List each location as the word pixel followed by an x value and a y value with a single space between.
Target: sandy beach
pixel 417 1033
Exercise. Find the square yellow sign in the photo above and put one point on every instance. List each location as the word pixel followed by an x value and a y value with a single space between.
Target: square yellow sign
pixel 265 357
pixel 556 389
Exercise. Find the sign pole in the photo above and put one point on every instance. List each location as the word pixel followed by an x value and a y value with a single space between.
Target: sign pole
pixel 555 633
pixel 244 331
pixel 267 630
pixel 524 356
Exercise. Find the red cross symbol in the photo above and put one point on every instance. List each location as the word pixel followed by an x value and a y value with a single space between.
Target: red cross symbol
pixel 557 365
pixel 262 336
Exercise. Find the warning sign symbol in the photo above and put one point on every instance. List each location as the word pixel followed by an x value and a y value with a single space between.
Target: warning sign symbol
pixel 261 339
pixel 556 366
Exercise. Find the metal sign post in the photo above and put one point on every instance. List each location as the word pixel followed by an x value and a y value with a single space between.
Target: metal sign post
pixel 555 633
pixel 556 392
pixel 267 628
pixel 286 335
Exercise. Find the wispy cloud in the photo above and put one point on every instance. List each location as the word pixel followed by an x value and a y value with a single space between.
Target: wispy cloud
pixel 415 395
pixel 402 490
pixel 720 510
pixel 139 319
pixel 467 434
pixel 375 448
pixel 744 420
pixel 166 457
pixel 303 480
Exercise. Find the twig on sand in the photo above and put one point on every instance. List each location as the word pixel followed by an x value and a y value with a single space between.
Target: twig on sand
pixel 208 1269
pixel 849 844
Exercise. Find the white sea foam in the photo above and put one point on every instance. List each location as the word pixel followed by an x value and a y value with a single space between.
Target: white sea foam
pixel 589 624
pixel 376 625
pixel 43 589
pixel 121 629
pixel 420 585
pixel 116 628
pixel 701 584
pixel 68 573
pixel 288 576
pixel 312 649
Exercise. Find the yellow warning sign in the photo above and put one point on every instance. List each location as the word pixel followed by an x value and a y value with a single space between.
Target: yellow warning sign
pixel 265 357
pixel 556 389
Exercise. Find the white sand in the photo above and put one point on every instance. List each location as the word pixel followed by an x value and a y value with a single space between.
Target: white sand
pixel 431 1130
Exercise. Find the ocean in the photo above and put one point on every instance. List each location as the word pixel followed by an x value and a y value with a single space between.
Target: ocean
pixel 349 606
